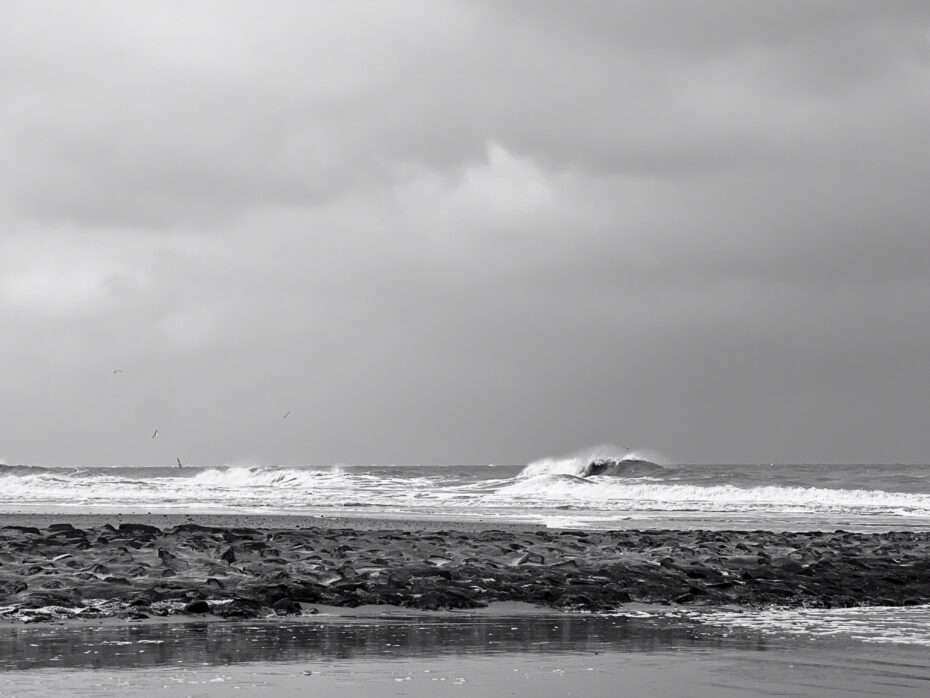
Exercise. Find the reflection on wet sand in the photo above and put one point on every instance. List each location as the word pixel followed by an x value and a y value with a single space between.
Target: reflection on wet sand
pixel 219 643
pixel 423 657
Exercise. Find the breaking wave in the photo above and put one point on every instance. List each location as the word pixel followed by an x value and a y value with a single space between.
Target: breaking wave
pixel 554 489
pixel 537 491
pixel 600 460
pixel 263 477
pixel 21 469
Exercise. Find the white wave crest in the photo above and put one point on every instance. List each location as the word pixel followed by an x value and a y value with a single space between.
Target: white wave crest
pixel 236 477
pixel 549 490
pixel 578 463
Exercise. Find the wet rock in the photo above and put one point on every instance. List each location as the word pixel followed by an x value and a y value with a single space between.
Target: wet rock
pixel 198 606
pixel 136 529
pixel 195 528
pixel 570 570
pixel 238 608
pixel 286 607
pixel 117 580
pixel 14 587
pixel 100 569
pixel 41 599
pixel 146 597
pixel 30 530
pixel 38 618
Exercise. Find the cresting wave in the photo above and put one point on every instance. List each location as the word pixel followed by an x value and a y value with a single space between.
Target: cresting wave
pixel 600 460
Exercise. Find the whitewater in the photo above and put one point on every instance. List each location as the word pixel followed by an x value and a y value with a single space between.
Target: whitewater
pixel 555 492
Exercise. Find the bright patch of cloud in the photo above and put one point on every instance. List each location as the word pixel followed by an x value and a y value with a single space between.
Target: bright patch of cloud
pixel 55 274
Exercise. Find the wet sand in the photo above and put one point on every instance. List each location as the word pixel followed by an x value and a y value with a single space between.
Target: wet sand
pixel 241 567
pixel 561 655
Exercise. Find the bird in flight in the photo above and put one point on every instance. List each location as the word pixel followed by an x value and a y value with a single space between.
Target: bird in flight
pixel 286 414
pixel 117 370
pixel 155 433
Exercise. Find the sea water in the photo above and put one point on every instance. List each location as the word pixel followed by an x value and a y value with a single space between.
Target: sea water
pixel 549 492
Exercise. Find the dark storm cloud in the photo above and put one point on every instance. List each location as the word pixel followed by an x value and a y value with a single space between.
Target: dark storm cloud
pixel 464 231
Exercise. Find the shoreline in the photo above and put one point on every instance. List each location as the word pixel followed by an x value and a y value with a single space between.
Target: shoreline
pixel 380 520
pixel 136 566
pixel 261 521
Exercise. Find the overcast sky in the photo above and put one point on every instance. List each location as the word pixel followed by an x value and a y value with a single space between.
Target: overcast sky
pixel 464 231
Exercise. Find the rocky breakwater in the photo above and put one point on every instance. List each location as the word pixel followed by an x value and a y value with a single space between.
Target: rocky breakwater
pixel 137 571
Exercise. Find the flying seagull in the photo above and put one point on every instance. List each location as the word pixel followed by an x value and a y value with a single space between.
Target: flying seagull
pixel 155 433
pixel 286 414
pixel 117 370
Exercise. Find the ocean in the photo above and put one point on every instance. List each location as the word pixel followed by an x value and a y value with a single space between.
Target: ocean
pixel 550 492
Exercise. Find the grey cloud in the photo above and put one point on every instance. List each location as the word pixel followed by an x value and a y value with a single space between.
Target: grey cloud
pixel 176 118
pixel 464 231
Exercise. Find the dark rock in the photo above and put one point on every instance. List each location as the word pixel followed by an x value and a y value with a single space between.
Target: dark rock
pixel 31 530
pixel 199 606
pixel 286 607
pixel 266 594
pixel 571 570
pixel 307 592
pixel 196 528
pixel 139 529
pixel 10 588
pixel 40 599
pixel 38 618
pixel 146 597
pixel 445 597
pixel 60 527
pixel 238 608
pixel 788 566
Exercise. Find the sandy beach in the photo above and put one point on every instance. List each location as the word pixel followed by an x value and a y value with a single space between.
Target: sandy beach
pixel 443 654
pixel 239 567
